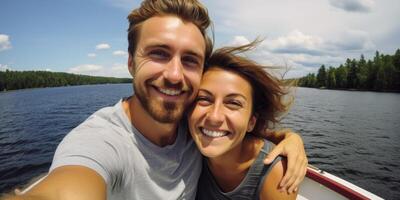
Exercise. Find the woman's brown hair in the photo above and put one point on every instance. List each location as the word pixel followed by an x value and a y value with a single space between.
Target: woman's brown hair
pixel 268 91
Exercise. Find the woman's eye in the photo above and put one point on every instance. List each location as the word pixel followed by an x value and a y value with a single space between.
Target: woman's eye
pixel 159 54
pixel 234 104
pixel 203 100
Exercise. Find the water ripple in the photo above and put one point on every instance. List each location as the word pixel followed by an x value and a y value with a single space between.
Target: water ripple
pixel 353 135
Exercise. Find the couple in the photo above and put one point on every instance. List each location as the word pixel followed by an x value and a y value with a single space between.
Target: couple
pixel 141 148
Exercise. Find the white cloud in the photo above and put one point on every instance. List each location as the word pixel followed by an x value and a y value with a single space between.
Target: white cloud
pixel 91 55
pixel 120 53
pixel 353 5
pixel 239 40
pixel 295 42
pixel 353 40
pixel 4 42
pixel 120 70
pixel 4 67
pixel 303 52
pixel 116 70
pixel 318 18
pixel 102 46
pixel 87 69
pixel 299 52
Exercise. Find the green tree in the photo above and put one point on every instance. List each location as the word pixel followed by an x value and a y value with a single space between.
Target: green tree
pixel 352 80
pixel 396 64
pixel 341 77
pixel 321 77
pixel 362 74
pixel 331 82
pixel 13 80
pixel 380 77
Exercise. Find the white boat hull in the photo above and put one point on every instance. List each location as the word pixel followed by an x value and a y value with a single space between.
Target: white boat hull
pixel 321 185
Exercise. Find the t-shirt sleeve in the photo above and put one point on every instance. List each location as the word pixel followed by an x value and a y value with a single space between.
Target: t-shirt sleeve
pixel 92 146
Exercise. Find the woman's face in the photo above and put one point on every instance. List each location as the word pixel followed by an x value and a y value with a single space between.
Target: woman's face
pixel 222 113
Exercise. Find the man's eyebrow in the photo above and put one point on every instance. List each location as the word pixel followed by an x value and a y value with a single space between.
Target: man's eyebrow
pixel 195 54
pixel 163 46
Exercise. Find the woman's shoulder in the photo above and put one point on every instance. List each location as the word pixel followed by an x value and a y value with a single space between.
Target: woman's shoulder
pixel 270 186
pixel 259 144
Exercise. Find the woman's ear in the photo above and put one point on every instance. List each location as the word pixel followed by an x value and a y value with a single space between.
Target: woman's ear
pixel 252 123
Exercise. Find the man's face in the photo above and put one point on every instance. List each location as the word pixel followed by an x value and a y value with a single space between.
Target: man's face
pixel 167 66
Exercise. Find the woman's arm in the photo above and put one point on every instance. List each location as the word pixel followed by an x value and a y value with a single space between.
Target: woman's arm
pixel 290 145
pixel 270 188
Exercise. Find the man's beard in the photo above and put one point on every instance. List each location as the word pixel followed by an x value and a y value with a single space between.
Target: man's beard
pixel 163 112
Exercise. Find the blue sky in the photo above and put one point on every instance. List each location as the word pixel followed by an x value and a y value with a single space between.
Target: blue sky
pixel 89 36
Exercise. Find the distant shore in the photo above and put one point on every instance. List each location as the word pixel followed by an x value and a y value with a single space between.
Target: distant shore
pixel 354 90
pixel 4 91
pixel 380 74
pixel 17 80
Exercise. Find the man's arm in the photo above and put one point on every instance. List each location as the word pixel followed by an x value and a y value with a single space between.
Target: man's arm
pixel 270 185
pixel 67 183
pixel 291 145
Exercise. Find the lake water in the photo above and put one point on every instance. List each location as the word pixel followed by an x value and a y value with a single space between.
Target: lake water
pixel 354 135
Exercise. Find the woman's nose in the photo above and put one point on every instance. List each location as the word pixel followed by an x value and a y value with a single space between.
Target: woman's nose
pixel 215 115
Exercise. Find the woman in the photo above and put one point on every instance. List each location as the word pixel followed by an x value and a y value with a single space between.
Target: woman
pixel 237 99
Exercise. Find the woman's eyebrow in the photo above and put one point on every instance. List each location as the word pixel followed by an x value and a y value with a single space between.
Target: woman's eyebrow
pixel 204 90
pixel 232 95
pixel 237 95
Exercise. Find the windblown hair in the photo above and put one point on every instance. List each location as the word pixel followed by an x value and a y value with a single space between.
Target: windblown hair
pixel 187 10
pixel 267 91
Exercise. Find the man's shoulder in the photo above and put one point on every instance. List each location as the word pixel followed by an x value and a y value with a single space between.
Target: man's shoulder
pixel 104 117
pixel 105 120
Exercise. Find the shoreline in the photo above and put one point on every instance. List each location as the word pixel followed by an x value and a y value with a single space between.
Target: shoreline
pixel 6 91
pixel 355 90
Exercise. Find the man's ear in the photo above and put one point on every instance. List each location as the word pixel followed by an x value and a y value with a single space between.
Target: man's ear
pixel 131 66
pixel 252 123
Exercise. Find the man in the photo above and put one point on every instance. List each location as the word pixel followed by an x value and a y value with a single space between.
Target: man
pixel 140 148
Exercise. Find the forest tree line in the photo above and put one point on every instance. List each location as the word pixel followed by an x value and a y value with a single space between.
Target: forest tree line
pixel 380 74
pixel 14 80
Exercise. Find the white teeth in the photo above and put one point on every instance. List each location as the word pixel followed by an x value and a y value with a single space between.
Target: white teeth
pixel 170 92
pixel 213 133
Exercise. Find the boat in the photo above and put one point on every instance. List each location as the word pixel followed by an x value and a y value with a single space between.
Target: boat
pixel 319 184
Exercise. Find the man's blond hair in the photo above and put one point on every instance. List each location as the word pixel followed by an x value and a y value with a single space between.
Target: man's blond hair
pixel 187 10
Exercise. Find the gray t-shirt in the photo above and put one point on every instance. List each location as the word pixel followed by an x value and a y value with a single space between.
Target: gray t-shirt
pixel 132 166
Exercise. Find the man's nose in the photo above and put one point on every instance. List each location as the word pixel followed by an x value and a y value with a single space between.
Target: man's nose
pixel 174 71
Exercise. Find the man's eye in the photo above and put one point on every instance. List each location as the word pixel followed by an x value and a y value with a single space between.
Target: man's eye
pixel 159 54
pixel 190 61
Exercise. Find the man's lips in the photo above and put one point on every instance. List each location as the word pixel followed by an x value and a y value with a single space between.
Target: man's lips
pixel 170 92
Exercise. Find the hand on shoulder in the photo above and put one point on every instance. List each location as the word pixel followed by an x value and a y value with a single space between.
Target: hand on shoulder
pixel 270 188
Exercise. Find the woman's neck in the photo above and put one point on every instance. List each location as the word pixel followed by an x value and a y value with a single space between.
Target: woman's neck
pixel 231 168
